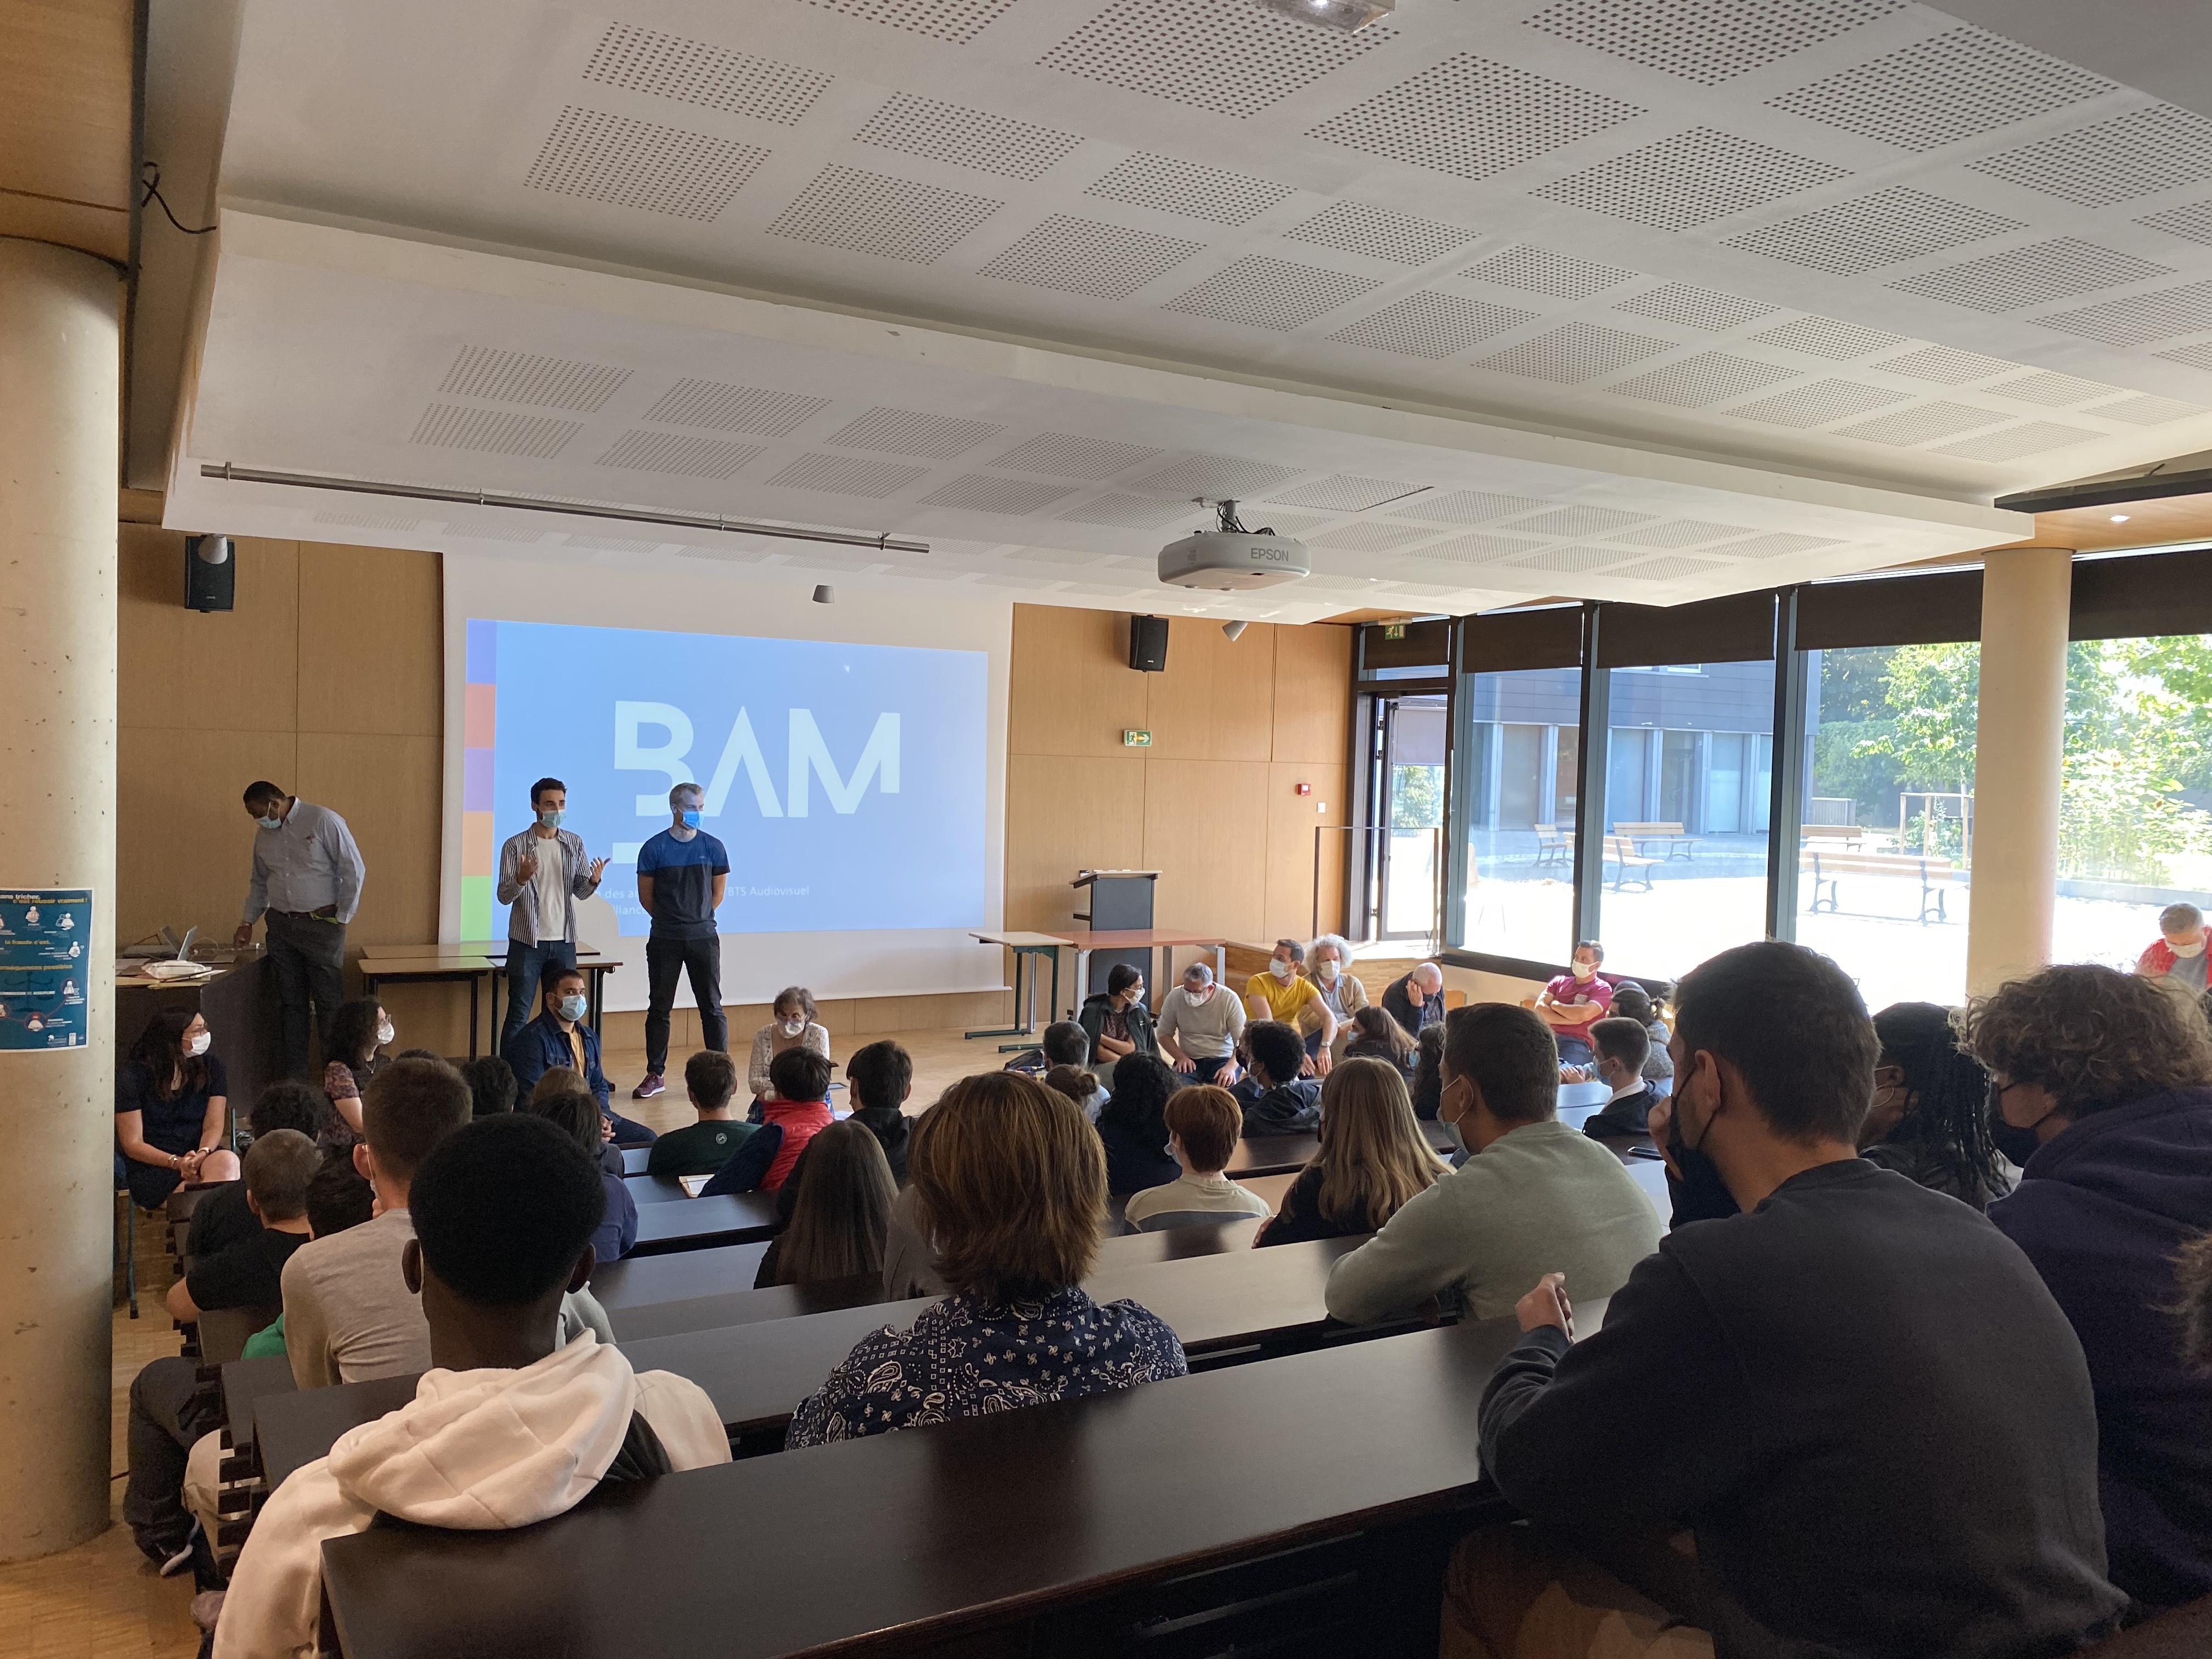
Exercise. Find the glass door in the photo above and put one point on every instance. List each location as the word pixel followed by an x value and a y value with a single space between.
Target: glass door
pixel 1406 814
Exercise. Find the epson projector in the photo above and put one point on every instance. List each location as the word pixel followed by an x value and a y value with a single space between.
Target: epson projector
pixel 1231 560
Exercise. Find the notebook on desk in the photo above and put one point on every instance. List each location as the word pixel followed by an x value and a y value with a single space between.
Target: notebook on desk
pixel 693 1185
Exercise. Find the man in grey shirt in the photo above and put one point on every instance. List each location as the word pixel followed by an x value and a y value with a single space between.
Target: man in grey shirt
pixel 1199 1024
pixel 308 876
pixel 543 872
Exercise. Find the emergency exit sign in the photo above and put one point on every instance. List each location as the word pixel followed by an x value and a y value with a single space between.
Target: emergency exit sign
pixel 1133 739
pixel 1394 630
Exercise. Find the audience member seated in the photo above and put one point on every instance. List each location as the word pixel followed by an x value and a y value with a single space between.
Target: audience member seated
pixel 1372 1158
pixel 1065 1042
pixel 2103 1084
pixel 164 1418
pixel 1621 1046
pixel 793 1023
pixel 171 1110
pixel 1132 1127
pixel 878 1080
pixel 1276 1100
pixel 560 1036
pixel 1375 1036
pixel 2179 952
pixel 1329 964
pixel 909 1264
pixel 348 1316
pixel 1116 1021
pixel 1632 1002
pixel 1198 1025
pixel 798 1106
pixel 1930 1117
pixel 1203 1122
pixel 226 1216
pixel 1857 1394
pixel 1575 1000
pixel 1428 1071
pixel 1416 999
pixel 1281 992
pixel 842 1193
pixel 509 1428
pixel 2192 1272
pixel 492 1085
pixel 1080 1084
pixel 576 1113
pixel 1009 1184
pixel 710 1083
pixel 1538 1192
pixel 338 1197
pixel 354 1053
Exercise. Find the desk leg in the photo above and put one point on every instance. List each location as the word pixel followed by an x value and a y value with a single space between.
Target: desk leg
pixel 1053 1015
pixel 473 988
pixel 598 983
pixel 498 974
pixel 1221 964
pixel 1082 975
pixel 1024 1024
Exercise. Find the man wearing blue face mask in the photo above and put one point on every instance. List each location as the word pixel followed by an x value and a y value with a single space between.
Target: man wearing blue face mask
pixel 307 877
pixel 543 872
pixel 559 1037
pixel 681 874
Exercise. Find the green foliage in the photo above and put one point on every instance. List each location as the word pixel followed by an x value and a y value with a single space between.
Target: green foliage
pixel 1417 797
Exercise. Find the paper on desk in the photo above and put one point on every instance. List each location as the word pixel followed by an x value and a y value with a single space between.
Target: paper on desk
pixel 693 1185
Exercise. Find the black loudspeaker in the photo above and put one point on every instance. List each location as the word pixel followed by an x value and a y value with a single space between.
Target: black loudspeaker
pixel 1148 644
pixel 210 573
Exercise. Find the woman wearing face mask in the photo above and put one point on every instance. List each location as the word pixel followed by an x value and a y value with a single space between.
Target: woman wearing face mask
pixel 792 1023
pixel 1930 1118
pixel 361 1034
pixel 171 1108
pixel 1117 1022
pixel 2101 1087
pixel 1328 960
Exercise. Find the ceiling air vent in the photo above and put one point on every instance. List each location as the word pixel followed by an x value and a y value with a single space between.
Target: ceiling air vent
pixel 522 377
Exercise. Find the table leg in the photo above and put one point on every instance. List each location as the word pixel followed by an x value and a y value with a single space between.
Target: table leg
pixel 1024 1025
pixel 498 972
pixel 598 983
pixel 1082 974
pixel 472 1016
pixel 1052 1013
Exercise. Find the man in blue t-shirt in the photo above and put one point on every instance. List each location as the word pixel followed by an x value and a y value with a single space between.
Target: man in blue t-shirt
pixel 681 875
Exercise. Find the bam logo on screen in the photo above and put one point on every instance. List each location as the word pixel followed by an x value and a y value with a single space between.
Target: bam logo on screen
pixel 807 762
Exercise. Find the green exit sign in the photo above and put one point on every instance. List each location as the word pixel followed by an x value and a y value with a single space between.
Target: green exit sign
pixel 1136 739
pixel 1394 630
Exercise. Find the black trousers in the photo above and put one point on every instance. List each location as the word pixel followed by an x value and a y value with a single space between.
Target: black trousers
pixel 308 958
pixel 165 1421
pixel 701 959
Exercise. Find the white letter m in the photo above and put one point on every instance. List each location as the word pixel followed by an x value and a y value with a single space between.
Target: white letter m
pixel 810 754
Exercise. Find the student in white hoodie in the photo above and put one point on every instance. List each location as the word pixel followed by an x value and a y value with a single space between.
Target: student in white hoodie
pixel 507 1428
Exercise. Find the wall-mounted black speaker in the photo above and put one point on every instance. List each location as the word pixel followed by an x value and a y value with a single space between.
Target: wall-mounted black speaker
pixel 1148 644
pixel 210 573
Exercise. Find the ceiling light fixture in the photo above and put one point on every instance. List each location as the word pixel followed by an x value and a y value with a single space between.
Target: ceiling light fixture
pixel 1349 15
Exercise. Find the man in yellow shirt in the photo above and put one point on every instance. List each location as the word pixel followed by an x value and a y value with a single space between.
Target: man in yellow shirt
pixel 1283 993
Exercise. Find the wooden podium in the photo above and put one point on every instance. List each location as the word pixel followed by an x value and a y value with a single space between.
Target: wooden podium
pixel 1121 902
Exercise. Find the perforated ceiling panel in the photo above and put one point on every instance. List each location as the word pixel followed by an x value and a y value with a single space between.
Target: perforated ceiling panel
pixel 1868 232
pixel 677 453
pixel 711 76
pixel 1130 512
pixel 2141 318
pixel 1578 521
pixel 1470 116
pixel 1429 324
pixel 2054 391
pixel 848 474
pixel 1196 191
pixel 1773 545
pixel 1234 60
pixel 2128 155
pixel 1945 366
pixel 1341 492
pixel 522 377
pixel 1817 402
pixel 1710 377
pixel 1825 337
pixel 1367 538
pixel 966 137
pixel 2031 275
pixel 913 432
pixel 2146 411
pixel 1707 41
pixel 870 213
pixel 2193 222
pixel 980 493
pixel 1361 228
pixel 957 20
pixel 493 431
pixel 1464 506
pixel 1576 558
pixel 1477 550
pixel 642 164
pixel 373 520
pixel 2036 438
pixel 1264 292
pixel 1540 270
pixel 1935 92
pixel 1691 178
pixel 2197 357
pixel 723 408
pixel 1576 351
pixel 1910 427
pixel 1070 455
pixel 1695 308
pixel 1086 256
pixel 1214 476
pixel 1683 532
pixel 1669 570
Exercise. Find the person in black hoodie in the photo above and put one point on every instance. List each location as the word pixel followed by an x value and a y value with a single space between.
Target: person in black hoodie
pixel 1276 1100
pixel 1132 1125
pixel 878 1080
pixel 2101 1086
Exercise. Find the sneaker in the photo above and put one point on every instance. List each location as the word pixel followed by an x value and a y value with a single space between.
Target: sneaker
pixel 180 1558
pixel 651 1086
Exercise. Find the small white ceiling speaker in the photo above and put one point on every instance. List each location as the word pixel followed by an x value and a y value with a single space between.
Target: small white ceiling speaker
pixel 825 594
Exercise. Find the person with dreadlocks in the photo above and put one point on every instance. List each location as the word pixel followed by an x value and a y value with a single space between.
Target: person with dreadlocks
pixel 1929 1119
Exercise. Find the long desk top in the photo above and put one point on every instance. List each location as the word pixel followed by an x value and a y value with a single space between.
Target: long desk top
pixel 742 1306
pixel 727 1218
pixel 961 1525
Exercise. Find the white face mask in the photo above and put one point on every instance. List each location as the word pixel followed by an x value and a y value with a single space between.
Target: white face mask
pixel 1585 970
pixel 385 1034
pixel 1199 993
pixel 2196 949
pixel 1282 970
pixel 792 1028
pixel 1327 969
pixel 197 1044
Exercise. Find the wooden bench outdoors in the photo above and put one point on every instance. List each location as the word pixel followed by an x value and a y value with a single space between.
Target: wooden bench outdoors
pixel 1851 836
pixel 1671 837
pixel 1628 864
pixel 1827 868
pixel 1553 846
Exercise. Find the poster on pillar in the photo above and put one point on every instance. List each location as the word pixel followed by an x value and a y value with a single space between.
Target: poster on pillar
pixel 44 935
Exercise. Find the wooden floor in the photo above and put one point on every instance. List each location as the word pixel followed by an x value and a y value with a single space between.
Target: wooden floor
pixel 102 1599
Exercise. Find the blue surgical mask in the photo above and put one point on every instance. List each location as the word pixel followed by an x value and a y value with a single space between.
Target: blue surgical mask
pixel 691 817
pixel 572 1007
pixel 270 824
pixel 551 820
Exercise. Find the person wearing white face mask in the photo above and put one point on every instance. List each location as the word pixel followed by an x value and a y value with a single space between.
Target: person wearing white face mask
pixel 560 1036
pixel 543 872
pixel 306 881
pixel 1198 1025
pixel 1575 1001
pixel 1328 963
pixel 1281 991
pixel 792 1024
pixel 354 1052
pixel 171 1109
pixel 2179 955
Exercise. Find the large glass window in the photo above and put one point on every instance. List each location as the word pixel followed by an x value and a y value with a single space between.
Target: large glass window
pixel 2134 833
pixel 1522 757
pixel 1689 769
pixel 1887 841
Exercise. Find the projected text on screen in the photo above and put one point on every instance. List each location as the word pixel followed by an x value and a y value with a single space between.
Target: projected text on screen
pixel 847 781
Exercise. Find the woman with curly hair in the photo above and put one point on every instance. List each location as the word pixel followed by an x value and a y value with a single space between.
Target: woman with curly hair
pixel 1930 1118
pixel 2100 1086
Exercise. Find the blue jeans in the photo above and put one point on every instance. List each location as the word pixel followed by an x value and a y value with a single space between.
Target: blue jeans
pixel 525 966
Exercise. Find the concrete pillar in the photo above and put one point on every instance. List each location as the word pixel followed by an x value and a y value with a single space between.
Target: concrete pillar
pixel 59 419
pixel 2019 733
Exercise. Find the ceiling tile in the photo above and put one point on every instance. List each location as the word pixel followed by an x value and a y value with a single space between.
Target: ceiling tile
pixel 1910 427
pixel 1683 532
pixel 677 453
pixel 1070 455
pixel 1691 178
pixel 1583 520
pixel 1464 507
pixel 1708 378
pixel 1945 366
pixel 2140 318
pixel 1477 550
pixel 1540 270
pixel 1817 404
pixel 1470 116
pixel 873 213
pixel 980 493
pixel 956 20
pixel 848 474
pixel 2033 439
pixel 1935 92
pixel 1380 234
pixel 1341 492
pixel 1771 545
pixel 1707 41
pixel 913 432
pixel 2056 391
pixel 1264 292
pixel 1696 308
pixel 1130 512
pixel 1085 256
pixel 1667 570
pixel 1368 537
pixel 642 164
pixel 1167 185
pixel 1885 228
pixel 2192 223
pixel 1234 60
pixel 697 72
pixel 1824 337
pixel 1576 558
pixel 754 410
pixel 493 431
pixel 1215 477
pixel 2146 411
pixel 2111 160
pixel 522 377
pixel 2032 275
pixel 1428 324
pixel 1576 351
pixel 966 137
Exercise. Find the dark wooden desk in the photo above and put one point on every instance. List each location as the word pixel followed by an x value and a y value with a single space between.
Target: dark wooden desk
pixel 634 1159
pixel 244 1382
pixel 1058 1519
pixel 652 1189
pixel 637 1322
pixel 636 1281
pixel 293 1430
pixel 731 1218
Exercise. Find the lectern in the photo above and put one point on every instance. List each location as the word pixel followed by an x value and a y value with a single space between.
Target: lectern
pixel 1121 901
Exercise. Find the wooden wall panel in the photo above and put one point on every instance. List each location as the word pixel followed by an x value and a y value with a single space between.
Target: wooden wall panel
pixel 65 101
pixel 1312 694
pixel 184 847
pixel 382 605
pixel 1070 688
pixel 1292 849
pixel 236 670
pixel 1216 699
pixel 1065 813
pixel 386 787
pixel 1205 831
